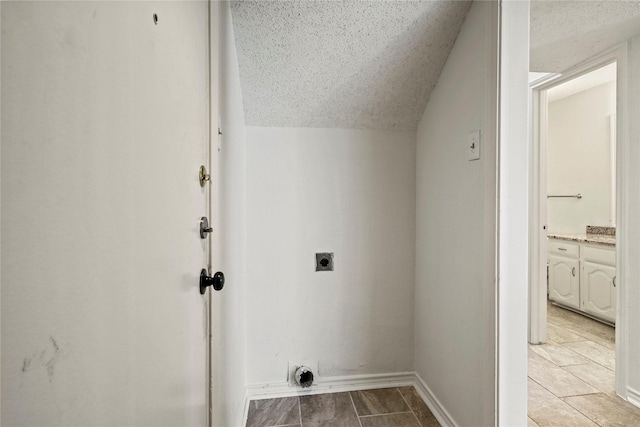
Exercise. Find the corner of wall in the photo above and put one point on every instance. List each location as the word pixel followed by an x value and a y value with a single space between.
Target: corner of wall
pixel 455 228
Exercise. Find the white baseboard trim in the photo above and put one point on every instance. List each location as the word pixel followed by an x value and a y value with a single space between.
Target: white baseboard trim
pixel 245 410
pixel 440 412
pixel 331 385
pixel 350 383
pixel 633 396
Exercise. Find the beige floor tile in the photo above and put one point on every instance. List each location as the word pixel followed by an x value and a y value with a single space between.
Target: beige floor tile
pixel 560 322
pixel 328 410
pixel 273 412
pixel 417 405
pixel 562 334
pixel 606 410
pixel 381 401
pixel 596 375
pixel 581 325
pixel 564 317
pixel 531 423
pixel 545 410
pixel 600 333
pixel 535 360
pixel 555 379
pixel 558 354
pixel 596 352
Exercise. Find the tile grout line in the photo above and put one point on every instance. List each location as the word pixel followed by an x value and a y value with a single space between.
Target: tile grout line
pixel 354 409
pixel 569 373
pixel 574 329
pixel 561 397
pixel 556 344
pixel 593 362
pixel 579 395
pixel 409 406
pixel 386 413
pixel 585 415
pixel 587 357
pixel 564 401
pixel 299 410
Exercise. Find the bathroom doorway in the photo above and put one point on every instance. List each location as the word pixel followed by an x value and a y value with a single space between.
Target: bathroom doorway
pixel 573 276
pixel 574 185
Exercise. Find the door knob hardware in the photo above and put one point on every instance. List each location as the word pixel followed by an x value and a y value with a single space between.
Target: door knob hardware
pixel 217 281
pixel 204 227
pixel 203 176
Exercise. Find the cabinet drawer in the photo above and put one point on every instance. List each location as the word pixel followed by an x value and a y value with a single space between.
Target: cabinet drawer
pixel 599 255
pixel 564 248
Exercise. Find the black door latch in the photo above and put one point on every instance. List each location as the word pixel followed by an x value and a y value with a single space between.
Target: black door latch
pixel 217 281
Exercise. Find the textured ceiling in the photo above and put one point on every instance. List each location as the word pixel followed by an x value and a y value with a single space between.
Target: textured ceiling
pixel 342 64
pixel 564 33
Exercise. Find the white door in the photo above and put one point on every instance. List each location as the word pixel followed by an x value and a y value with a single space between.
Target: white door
pixel 564 280
pixel 598 290
pixel 104 126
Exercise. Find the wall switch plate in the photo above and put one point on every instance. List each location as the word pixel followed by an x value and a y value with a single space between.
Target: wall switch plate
pixel 473 141
pixel 293 366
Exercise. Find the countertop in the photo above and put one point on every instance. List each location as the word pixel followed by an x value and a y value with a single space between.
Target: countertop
pixel 601 239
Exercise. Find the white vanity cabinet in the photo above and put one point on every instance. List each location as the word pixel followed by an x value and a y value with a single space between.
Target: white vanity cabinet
pixel 598 282
pixel 564 273
pixel 583 276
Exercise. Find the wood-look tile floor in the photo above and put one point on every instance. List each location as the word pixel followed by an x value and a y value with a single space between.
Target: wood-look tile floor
pixel 572 376
pixel 388 407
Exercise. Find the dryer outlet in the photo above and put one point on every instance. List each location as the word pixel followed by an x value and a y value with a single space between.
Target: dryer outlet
pixel 294 365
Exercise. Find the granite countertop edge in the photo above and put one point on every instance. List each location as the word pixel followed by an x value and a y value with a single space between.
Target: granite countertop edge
pixel 599 239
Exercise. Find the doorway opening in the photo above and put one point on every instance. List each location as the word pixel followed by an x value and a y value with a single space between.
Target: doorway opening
pixel 580 173
pixel 573 192
pixel 575 247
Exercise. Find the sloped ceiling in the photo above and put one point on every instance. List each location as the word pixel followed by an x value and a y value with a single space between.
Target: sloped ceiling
pixel 373 64
pixel 565 33
pixel 342 64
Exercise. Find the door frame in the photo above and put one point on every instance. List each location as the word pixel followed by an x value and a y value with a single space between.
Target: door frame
pixel 538 202
pixel 212 201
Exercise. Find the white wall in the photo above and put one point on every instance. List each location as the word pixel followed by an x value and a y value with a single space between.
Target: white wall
pixel 230 233
pixel 629 200
pixel 578 159
pixel 456 234
pixel 351 192
pixel 103 129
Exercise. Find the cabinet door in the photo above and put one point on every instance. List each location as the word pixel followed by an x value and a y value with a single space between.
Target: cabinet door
pixel 564 281
pixel 597 290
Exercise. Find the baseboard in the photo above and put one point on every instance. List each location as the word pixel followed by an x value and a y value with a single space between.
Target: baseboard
pixel 437 409
pixel 331 385
pixel 351 383
pixel 633 396
pixel 245 410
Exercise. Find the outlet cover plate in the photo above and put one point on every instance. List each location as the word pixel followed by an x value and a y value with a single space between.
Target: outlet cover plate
pixel 293 366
